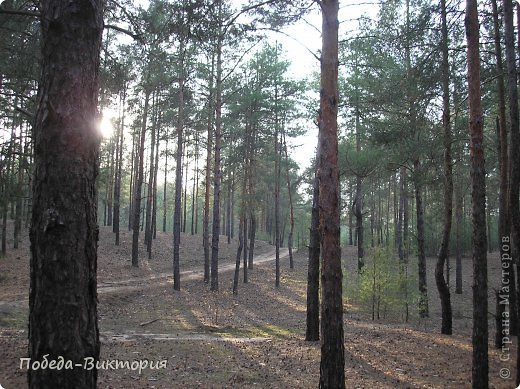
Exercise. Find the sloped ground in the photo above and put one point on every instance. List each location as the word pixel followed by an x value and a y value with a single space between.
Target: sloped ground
pixel 251 340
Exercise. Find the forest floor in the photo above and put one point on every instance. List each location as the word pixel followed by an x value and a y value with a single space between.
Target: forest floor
pixel 251 340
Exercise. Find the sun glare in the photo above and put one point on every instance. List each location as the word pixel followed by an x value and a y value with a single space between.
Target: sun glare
pixel 105 126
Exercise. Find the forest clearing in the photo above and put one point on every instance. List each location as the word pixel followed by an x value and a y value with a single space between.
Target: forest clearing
pixel 254 339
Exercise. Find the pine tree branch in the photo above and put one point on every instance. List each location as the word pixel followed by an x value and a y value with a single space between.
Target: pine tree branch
pixel 19 12
pixel 124 31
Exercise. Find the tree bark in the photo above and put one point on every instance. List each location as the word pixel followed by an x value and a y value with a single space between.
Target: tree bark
pixel 421 256
pixel 277 189
pixel 209 147
pixel 291 207
pixel 217 174
pixel 458 239
pixel 165 184
pixel 514 149
pixel 252 236
pixel 149 198
pixel 313 270
pixel 64 231
pixel 442 258
pixel 241 240
pixel 332 365
pixel 119 169
pixel 138 185
pixel 480 365
pixel 154 191
pixel 178 182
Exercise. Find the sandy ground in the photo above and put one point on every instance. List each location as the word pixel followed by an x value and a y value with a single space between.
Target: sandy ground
pixel 251 340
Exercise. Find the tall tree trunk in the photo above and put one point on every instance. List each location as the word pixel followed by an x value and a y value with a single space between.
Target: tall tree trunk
pixel 154 191
pixel 110 183
pixel 246 280
pixel 134 163
pixel 165 184
pixel 503 217
pixel 185 203
pixel 313 270
pixel 458 238
pixel 138 184
pixel 442 284
pixel 119 169
pixel 252 236
pixel 277 190
pixel 19 195
pixel 217 174
pixel 350 240
pixel 421 255
pixel 149 198
pixel 480 365
pixel 228 211
pixel 209 147
pixel 195 184
pixel 401 213
pixel 241 240
pixel 64 231
pixel 291 207
pixel 332 365
pixel 178 180
pixel 514 149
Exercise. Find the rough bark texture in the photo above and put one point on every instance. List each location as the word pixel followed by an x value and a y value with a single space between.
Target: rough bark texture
pixel 332 365
pixel 442 284
pixel 64 232
pixel 313 270
pixel 480 365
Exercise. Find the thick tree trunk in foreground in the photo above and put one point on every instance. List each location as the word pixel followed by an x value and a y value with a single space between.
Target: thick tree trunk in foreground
pixel 504 228
pixel 64 231
pixel 514 150
pixel 480 365
pixel 313 270
pixel 332 365
pixel 442 284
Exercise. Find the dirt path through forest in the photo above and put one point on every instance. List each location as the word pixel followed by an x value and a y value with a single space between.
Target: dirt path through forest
pixel 135 283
